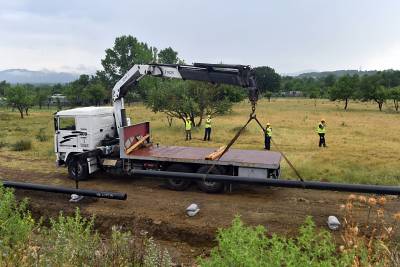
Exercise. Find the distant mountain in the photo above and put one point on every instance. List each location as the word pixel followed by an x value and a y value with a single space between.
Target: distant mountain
pixel 297 73
pixel 36 77
pixel 337 73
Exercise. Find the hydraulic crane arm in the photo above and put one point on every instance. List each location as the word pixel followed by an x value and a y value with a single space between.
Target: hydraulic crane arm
pixel 239 75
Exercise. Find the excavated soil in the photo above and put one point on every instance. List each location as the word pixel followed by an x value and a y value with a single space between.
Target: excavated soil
pixel 152 208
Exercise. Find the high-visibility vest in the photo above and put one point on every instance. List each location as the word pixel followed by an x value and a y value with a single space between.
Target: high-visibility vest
pixel 208 123
pixel 321 128
pixel 188 125
pixel 268 131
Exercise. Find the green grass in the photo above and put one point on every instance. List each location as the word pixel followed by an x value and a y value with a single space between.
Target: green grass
pixel 363 143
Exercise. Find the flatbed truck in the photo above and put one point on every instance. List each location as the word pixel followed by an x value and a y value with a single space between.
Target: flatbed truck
pixel 92 139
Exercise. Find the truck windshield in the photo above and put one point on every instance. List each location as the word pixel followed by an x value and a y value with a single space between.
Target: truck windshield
pixel 67 123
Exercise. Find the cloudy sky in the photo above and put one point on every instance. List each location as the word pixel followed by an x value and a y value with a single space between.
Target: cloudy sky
pixel 288 35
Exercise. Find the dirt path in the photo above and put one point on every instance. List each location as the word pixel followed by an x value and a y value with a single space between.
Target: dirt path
pixel 161 212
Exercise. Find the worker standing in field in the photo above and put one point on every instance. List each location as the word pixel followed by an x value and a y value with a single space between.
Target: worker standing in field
pixel 268 136
pixel 321 130
pixel 207 129
pixel 188 128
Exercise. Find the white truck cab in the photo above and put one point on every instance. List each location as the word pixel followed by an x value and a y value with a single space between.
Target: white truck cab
pixel 81 129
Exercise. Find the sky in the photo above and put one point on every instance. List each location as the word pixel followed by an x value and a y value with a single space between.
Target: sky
pixel 287 35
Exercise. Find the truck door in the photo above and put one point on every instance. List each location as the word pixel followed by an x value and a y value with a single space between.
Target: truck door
pixel 67 138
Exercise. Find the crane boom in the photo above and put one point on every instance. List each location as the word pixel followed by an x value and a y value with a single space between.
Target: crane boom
pixel 239 75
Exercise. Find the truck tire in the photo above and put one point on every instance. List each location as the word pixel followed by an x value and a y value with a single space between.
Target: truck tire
pixel 274 173
pixel 210 187
pixel 176 183
pixel 78 170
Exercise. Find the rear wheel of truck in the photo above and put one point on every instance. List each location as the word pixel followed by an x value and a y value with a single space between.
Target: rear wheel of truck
pixel 176 183
pixel 78 169
pixel 210 187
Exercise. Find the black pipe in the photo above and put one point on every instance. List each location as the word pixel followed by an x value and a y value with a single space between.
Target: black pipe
pixel 63 190
pixel 357 188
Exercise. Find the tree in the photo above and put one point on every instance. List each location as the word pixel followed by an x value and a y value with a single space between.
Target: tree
pixel 178 99
pixel 394 94
pixel 172 98
pixel 3 86
pixel 268 95
pixel 214 99
pixel 95 93
pixel 329 81
pixel 267 79
pixel 41 95
pixel 75 90
pixel 126 52
pixel 371 88
pixel 19 97
pixel 168 56
pixel 344 89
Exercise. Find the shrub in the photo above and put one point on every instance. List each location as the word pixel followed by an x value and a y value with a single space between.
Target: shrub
pixel 3 144
pixel 22 145
pixel 41 135
pixel 16 224
pixel 240 245
pixel 69 241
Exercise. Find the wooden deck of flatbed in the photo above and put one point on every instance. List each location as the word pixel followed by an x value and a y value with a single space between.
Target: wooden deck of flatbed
pixel 236 157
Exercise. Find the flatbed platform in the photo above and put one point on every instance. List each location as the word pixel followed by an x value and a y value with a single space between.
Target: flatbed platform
pixel 237 157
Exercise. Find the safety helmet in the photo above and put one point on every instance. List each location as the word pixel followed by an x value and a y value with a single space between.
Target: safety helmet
pixel 322 120
pixel 209 116
pixel 268 124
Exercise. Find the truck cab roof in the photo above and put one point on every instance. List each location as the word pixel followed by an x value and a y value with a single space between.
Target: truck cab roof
pixel 86 111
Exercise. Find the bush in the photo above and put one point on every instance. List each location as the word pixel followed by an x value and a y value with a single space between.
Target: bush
pixel 41 135
pixel 240 245
pixel 68 241
pixel 22 145
pixel 16 224
pixel 3 144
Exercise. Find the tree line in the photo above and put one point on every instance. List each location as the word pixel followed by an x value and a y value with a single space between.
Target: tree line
pixel 379 87
pixel 175 98
pixel 180 99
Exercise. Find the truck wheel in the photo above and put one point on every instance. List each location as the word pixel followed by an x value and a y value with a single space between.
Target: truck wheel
pixel 274 174
pixel 176 183
pixel 210 187
pixel 78 170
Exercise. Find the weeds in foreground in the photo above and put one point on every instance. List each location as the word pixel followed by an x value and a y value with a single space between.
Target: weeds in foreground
pixel 240 245
pixel 68 241
pixel 368 244
pixel 373 241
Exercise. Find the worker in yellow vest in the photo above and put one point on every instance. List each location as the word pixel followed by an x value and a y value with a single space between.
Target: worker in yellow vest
pixel 268 136
pixel 207 128
pixel 188 128
pixel 321 130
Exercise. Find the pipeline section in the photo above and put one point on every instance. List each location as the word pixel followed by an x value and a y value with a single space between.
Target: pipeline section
pixel 63 190
pixel 356 188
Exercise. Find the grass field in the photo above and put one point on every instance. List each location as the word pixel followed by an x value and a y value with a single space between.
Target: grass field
pixel 363 143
